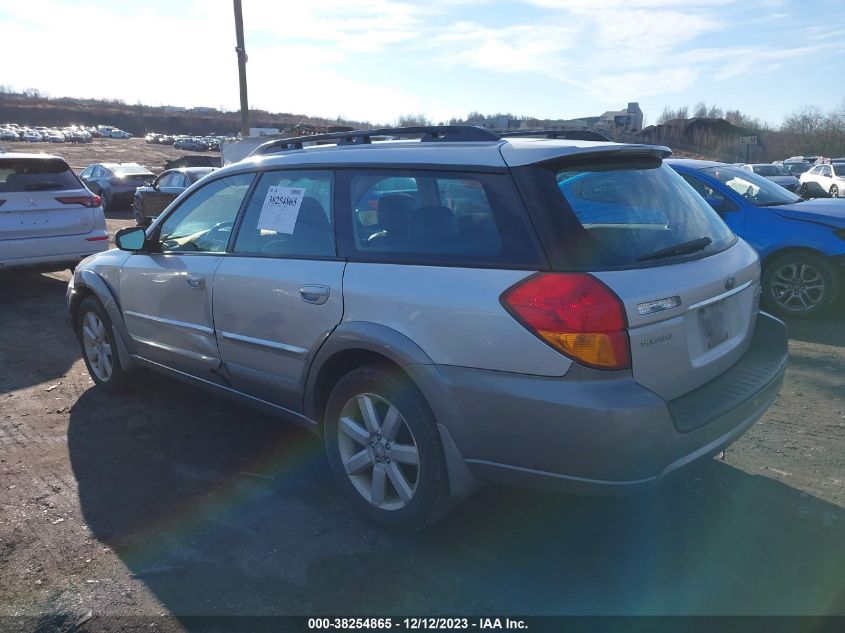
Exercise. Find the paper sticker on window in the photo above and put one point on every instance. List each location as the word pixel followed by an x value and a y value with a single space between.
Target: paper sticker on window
pixel 280 209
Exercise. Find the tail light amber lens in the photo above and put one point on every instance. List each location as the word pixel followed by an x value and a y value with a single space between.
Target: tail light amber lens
pixel 576 314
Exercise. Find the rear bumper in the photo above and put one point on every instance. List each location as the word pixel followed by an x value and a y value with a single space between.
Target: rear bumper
pixel 600 432
pixel 51 252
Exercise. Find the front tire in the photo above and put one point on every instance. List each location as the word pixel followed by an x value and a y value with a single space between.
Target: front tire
pixel 96 339
pixel 384 450
pixel 799 285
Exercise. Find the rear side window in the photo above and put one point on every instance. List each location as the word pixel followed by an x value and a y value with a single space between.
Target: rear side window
pixel 289 215
pixel 423 217
pixel 36 174
pixel 629 213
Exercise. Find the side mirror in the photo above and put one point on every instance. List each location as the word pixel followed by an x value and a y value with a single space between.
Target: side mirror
pixel 131 238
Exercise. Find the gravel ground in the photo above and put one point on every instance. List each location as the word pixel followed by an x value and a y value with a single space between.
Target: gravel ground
pixel 169 501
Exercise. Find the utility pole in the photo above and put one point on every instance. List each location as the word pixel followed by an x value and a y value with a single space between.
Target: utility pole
pixel 242 59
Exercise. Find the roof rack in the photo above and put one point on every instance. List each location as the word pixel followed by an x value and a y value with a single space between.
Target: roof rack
pixel 570 135
pixel 427 134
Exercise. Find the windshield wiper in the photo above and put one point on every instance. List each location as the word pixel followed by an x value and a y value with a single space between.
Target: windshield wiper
pixel 41 186
pixel 679 249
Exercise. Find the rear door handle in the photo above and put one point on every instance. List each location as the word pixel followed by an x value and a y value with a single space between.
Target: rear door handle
pixel 315 294
pixel 197 282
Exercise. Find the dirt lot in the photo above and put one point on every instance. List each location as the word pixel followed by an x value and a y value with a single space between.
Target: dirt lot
pixel 107 150
pixel 169 501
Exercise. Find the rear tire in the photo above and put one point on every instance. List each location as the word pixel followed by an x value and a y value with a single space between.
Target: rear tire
pixel 99 350
pixel 799 285
pixel 106 201
pixel 834 191
pixel 384 449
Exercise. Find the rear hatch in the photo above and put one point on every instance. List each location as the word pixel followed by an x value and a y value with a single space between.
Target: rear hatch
pixel 42 197
pixel 689 288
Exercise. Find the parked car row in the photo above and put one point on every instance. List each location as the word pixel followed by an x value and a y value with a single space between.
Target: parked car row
pixel 14 132
pixel 191 143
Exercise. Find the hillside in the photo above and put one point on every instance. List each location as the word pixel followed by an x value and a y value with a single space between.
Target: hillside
pixel 27 109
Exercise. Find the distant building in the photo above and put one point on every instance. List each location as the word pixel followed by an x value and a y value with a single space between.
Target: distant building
pixel 628 120
pixel 204 110
pixel 174 108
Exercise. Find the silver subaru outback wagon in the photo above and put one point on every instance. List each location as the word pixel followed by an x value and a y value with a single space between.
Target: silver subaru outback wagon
pixel 449 310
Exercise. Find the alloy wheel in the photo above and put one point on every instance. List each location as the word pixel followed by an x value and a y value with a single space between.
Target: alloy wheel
pixel 834 191
pixel 98 351
pixel 798 287
pixel 378 451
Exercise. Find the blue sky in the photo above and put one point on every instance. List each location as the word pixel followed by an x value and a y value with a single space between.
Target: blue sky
pixel 378 59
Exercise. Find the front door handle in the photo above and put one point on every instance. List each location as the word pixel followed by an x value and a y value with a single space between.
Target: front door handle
pixel 197 282
pixel 315 294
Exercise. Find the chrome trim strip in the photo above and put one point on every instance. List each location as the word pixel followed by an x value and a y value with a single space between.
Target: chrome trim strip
pixel 182 324
pixel 260 342
pixel 718 298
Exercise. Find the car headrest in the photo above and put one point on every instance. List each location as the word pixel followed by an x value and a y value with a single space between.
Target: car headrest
pixel 394 213
pixel 433 223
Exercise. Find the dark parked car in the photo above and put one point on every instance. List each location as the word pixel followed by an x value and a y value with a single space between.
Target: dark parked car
pixel 153 198
pixel 115 183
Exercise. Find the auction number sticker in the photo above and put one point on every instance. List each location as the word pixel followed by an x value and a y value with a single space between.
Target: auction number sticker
pixel 280 209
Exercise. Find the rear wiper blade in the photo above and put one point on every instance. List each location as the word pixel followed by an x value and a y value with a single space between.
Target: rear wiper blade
pixel 41 186
pixel 679 249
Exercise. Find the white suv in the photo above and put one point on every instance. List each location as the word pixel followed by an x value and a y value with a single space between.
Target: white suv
pixel 47 216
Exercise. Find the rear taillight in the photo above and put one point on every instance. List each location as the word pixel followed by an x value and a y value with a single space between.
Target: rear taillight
pixel 574 313
pixel 85 201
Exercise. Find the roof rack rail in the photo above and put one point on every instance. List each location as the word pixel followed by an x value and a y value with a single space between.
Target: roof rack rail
pixel 570 135
pixel 427 134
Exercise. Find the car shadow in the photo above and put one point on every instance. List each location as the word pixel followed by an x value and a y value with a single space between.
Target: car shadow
pixel 828 329
pixel 39 350
pixel 223 511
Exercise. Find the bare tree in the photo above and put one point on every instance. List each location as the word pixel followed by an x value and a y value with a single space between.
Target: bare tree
pixel 700 110
pixel 413 120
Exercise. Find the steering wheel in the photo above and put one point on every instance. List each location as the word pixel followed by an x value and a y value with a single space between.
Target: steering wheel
pixel 268 247
pixel 216 235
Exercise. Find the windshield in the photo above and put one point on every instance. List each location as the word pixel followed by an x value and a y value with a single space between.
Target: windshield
pixel 797 168
pixel 761 192
pixel 632 212
pixel 769 170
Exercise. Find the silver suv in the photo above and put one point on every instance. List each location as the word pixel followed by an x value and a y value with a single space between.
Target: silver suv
pixel 451 310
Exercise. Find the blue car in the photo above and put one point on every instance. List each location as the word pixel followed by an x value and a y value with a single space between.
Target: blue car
pixel 801 242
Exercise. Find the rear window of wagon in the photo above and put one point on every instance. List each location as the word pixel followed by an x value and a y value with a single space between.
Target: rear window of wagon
pixel 620 213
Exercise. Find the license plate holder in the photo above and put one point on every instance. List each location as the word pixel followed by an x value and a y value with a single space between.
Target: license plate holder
pixel 713 325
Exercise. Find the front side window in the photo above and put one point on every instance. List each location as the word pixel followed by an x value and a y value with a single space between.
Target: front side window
pixel 432 217
pixel 203 223
pixel 289 215
pixel 761 192
pixel 710 194
pixel 636 211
